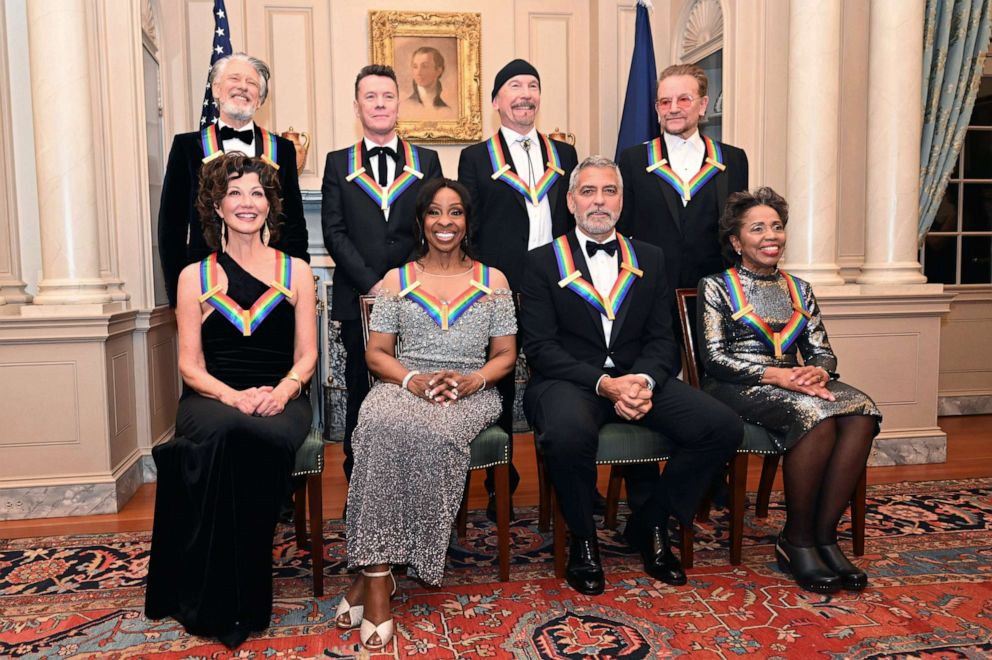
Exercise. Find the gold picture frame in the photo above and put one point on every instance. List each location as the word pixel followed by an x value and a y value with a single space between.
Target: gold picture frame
pixel 440 99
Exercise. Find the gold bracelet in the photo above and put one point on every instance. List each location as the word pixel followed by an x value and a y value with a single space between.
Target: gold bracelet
pixel 292 375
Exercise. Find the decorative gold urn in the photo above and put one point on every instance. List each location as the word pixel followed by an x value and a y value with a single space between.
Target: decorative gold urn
pixel 557 134
pixel 301 141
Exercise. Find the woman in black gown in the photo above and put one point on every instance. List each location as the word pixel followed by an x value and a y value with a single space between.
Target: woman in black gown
pixel 247 347
pixel 754 320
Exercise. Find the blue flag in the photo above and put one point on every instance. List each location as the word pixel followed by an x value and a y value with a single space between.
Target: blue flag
pixel 639 122
pixel 221 48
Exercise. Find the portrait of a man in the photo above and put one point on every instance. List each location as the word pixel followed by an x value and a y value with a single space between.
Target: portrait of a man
pixel 427 72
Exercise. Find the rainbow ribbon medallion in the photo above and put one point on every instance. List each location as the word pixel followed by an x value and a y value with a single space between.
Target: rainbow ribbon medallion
pixel 212 147
pixel 503 171
pixel 270 149
pixel 384 198
pixel 442 312
pixel 572 279
pixel 712 165
pixel 247 321
pixel 781 340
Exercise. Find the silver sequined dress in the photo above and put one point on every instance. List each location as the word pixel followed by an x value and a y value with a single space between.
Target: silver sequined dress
pixel 735 358
pixel 411 456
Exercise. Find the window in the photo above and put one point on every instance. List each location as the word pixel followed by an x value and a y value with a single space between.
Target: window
pixel 958 247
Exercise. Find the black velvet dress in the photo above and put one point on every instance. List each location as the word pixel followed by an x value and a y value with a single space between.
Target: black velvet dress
pixel 223 479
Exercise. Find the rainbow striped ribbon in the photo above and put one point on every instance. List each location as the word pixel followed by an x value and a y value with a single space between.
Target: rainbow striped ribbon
pixel 743 311
pixel 712 165
pixel 572 279
pixel 384 198
pixel 503 171
pixel 444 313
pixel 247 321
pixel 212 147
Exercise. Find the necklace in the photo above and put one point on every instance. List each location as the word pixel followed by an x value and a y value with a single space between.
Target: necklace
pixel 425 272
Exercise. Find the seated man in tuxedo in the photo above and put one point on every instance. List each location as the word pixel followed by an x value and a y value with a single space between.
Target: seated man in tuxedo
pixel 597 332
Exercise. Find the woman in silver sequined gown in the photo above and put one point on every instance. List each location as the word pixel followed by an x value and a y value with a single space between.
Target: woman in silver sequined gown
pixel 430 400
pixel 824 426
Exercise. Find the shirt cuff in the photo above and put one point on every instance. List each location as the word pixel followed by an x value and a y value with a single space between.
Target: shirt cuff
pixel 598 381
pixel 650 380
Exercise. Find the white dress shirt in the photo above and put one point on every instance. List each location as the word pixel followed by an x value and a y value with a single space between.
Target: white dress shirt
pixel 237 145
pixel 390 164
pixel 540 215
pixel 685 156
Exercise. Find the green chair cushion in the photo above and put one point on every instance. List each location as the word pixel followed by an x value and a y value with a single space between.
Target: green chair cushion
pixel 489 448
pixel 757 440
pixel 310 455
pixel 631 443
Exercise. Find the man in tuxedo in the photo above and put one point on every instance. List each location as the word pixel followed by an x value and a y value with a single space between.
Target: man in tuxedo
pixel 368 217
pixel 600 354
pixel 677 184
pixel 517 180
pixel 240 85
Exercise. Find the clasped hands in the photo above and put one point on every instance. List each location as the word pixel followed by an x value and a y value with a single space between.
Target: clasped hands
pixel 630 395
pixel 264 401
pixel 445 386
pixel 808 379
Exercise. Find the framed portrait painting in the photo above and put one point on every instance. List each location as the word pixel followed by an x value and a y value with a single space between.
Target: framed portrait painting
pixel 438 69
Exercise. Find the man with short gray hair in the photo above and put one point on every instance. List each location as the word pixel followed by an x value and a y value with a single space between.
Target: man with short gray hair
pixel 240 85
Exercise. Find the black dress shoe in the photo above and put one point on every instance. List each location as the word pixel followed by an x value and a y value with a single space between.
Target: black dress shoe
pixel 806 566
pixel 491 509
pixel 659 562
pixel 585 571
pixel 852 578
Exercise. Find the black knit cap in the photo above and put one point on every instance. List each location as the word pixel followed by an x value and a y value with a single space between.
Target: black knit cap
pixel 514 68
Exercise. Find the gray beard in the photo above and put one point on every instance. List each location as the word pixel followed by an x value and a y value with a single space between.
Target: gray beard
pixel 235 112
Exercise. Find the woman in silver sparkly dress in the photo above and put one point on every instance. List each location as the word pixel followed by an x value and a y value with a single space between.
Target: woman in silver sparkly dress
pixel 753 322
pixel 442 330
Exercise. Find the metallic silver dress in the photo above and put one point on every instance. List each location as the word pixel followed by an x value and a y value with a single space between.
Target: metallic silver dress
pixel 735 358
pixel 411 455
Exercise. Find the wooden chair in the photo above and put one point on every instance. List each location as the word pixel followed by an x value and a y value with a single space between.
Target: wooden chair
pixel 310 468
pixel 619 444
pixel 491 448
pixel 756 441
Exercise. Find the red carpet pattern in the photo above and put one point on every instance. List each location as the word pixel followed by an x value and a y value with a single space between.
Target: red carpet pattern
pixel 929 557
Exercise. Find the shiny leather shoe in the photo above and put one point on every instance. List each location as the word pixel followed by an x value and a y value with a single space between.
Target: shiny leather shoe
pixel 659 562
pixel 852 578
pixel 806 567
pixel 585 570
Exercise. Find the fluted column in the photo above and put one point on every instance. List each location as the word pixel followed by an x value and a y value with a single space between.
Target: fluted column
pixel 63 134
pixel 814 98
pixel 895 122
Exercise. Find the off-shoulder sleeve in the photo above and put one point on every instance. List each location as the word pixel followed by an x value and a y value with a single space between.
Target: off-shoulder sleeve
pixel 503 321
pixel 385 313
pixel 813 344
pixel 712 309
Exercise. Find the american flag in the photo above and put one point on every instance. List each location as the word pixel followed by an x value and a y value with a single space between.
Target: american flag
pixel 221 48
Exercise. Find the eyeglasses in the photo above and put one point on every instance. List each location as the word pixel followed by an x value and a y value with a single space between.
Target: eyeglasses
pixel 683 101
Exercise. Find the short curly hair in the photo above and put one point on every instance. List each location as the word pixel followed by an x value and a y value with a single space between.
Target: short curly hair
pixel 737 207
pixel 214 178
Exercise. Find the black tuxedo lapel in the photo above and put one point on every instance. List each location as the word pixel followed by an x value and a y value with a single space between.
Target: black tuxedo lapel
pixel 259 148
pixel 552 197
pixel 580 263
pixel 509 161
pixel 625 305
pixel 672 199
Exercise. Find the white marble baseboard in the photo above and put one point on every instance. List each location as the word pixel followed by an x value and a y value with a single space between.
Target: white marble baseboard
pixel 70 499
pixel 149 473
pixel 968 404
pixel 908 451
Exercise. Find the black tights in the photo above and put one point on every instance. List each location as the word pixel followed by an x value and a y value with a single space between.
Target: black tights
pixel 820 474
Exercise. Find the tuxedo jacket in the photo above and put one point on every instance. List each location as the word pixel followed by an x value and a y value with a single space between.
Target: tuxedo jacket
pixel 653 212
pixel 177 216
pixel 363 244
pixel 563 334
pixel 501 226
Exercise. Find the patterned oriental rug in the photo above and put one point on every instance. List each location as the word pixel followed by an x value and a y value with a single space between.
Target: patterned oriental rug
pixel 929 557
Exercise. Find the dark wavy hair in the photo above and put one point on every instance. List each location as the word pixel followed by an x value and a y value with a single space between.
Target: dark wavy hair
pixel 214 178
pixel 735 209
pixel 424 200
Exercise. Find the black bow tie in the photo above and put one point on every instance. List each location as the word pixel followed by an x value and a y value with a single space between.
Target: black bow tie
pixel 609 247
pixel 388 151
pixel 228 133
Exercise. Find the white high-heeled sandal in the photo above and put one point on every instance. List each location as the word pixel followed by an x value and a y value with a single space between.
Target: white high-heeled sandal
pixel 385 629
pixel 355 612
